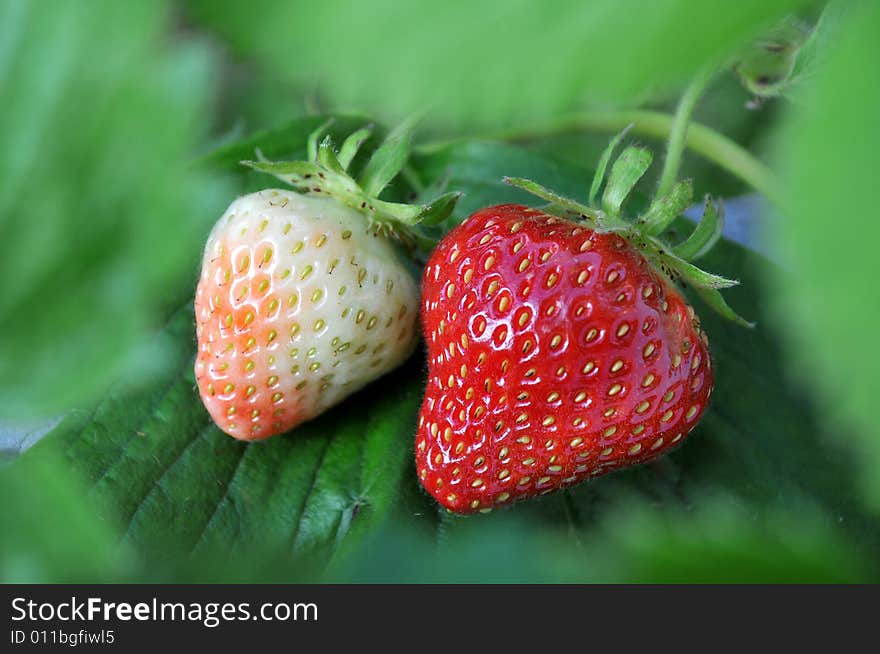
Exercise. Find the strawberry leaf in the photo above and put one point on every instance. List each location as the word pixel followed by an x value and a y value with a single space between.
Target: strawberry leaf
pixel 414 55
pixel 826 300
pixel 102 217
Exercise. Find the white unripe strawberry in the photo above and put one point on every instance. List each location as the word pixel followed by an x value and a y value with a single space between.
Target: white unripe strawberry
pixel 303 299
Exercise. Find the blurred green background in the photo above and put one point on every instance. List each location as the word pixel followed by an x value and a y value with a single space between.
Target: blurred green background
pixel 121 126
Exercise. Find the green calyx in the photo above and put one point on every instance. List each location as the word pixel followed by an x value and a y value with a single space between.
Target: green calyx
pixel 645 232
pixel 326 173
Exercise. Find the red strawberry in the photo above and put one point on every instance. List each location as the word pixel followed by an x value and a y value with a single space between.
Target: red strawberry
pixel 303 298
pixel 557 351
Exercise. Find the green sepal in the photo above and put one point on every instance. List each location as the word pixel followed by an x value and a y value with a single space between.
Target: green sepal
pixel 599 176
pixel 627 170
pixel 694 276
pixel 387 161
pixel 439 210
pixel 665 209
pixel 569 206
pixel 315 137
pixel 325 174
pixel 705 234
pixel 327 156
pixel 352 144
pixel 717 303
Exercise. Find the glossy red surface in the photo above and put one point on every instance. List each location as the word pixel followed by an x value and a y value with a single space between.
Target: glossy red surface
pixel 556 353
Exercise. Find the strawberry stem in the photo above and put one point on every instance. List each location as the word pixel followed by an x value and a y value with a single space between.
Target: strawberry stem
pixel 678 133
pixel 700 139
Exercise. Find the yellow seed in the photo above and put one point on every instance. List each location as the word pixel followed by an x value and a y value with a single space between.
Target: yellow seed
pixel 610 431
pixel 614 390
pixel 504 474
pixel 582 277
pixel 523 265
pixel 576 441
pixel 551 280
pixel 617 365
pixel 666 417
pixel 648 380
pixel 476 483
pixel 591 335
pixel 691 413
pixel 552 397
pixel 668 397
pixel 623 330
pixel 648 351
pixel 490 261
pixel 549 420
pixel 635 449
pixel 643 406
pixel 588 367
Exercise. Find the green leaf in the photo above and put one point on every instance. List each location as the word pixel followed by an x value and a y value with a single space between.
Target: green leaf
pixel 443 56
pixel 49 532
pixel 827 308
pixel 173 485
pixel 100 216
pixel 627 170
